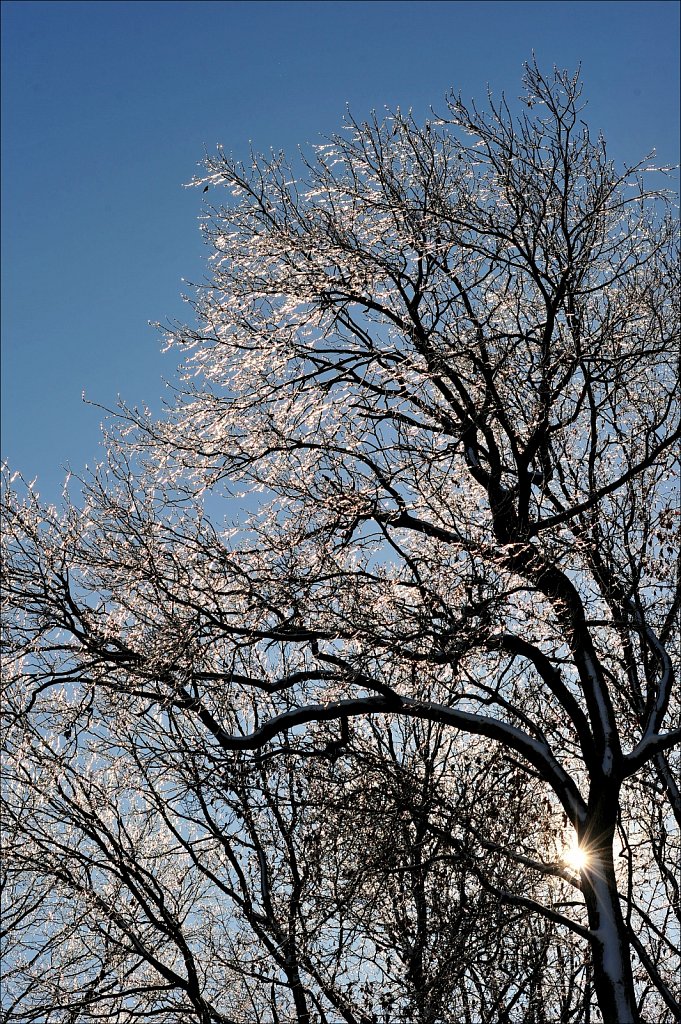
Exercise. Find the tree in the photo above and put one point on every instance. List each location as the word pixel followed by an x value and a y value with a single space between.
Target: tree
pixel 327 763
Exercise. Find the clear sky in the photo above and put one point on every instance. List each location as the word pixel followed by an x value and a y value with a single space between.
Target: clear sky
pixel 108 107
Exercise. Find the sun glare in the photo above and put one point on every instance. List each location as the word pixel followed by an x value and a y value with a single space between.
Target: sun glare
pixel 575 857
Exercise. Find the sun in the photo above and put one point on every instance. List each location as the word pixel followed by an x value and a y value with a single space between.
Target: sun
pixel 575 857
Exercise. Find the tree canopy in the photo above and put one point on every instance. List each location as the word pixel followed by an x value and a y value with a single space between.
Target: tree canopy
pixel 398 743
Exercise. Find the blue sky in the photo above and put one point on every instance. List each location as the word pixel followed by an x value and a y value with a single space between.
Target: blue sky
pixel 108 107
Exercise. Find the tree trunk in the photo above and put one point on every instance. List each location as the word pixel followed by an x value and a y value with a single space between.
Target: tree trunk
pixel 612 975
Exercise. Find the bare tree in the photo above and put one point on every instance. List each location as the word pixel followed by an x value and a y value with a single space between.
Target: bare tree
pixel 334 762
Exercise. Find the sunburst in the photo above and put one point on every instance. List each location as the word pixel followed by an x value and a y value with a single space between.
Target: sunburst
pixel 575 857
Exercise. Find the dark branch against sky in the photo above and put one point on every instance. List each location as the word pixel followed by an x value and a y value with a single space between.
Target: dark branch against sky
pixel 108 107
